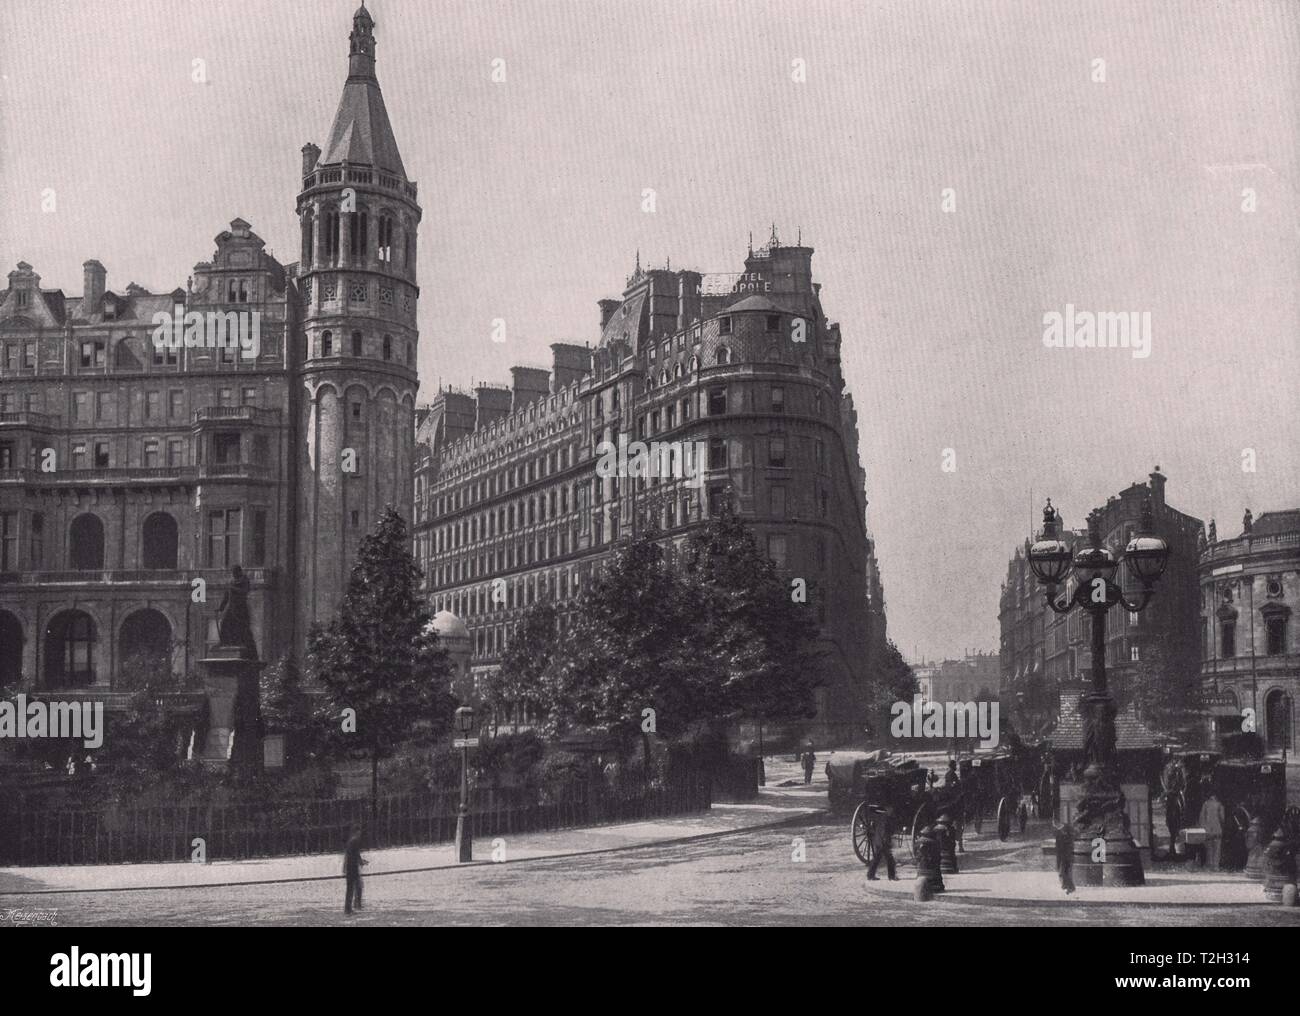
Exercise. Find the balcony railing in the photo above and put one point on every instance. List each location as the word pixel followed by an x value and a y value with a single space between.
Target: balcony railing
pixel 1225 550
pixel 264 577
pixel 25 418
pixel 257 414
pixel 114 476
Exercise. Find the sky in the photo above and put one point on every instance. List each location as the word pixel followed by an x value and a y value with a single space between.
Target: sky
pixel 962 169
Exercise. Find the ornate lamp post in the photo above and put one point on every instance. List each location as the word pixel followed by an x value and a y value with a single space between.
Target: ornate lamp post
pixel 464 837
pixel 1103 848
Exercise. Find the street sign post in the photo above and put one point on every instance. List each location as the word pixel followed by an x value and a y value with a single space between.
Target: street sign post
pixel 465 742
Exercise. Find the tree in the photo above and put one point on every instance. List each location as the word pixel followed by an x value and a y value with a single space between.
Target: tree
pixel 627 649
pixel 892 681
pixel 289 709
pixel 760 643
pixel 379 656
pixel 523 664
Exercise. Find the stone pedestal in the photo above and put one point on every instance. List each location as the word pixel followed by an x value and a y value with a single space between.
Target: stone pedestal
pixel 230 680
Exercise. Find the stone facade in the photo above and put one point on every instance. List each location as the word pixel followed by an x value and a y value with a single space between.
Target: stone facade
pixel 130 470
pixel 1249 596
pixel 508 498
pixel 1043 653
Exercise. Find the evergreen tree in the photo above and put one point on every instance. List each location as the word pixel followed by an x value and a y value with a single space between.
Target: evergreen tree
pixel 380 656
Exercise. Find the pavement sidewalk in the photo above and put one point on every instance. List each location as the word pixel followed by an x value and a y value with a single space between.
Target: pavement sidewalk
pixel 773 807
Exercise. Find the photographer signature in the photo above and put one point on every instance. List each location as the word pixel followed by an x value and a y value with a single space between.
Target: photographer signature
pixel 24 917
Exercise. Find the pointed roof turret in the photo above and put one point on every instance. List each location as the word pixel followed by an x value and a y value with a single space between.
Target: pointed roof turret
pixel 362 133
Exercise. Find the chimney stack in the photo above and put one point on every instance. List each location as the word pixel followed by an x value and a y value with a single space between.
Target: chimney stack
pixel 570 363
pixel 529 384
pixel 1157 488
pixel 607 308
pixel 310 154
pixel 93 288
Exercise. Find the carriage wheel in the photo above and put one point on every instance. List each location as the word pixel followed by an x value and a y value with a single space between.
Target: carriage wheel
pixel 920 820
pixel 1005 809
pixel 861 833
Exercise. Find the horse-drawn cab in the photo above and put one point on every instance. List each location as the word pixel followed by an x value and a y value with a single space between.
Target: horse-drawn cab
pixel 896 785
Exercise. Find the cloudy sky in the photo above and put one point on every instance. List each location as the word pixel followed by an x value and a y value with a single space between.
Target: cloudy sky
pixel 1126 156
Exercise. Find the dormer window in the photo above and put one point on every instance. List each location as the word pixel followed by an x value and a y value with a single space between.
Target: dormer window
pixel 724 326
pixel 22 295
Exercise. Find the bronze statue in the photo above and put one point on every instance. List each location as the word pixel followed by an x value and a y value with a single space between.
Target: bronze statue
pixel 234 624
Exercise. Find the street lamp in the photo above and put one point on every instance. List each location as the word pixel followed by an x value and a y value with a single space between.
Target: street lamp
pixel 464 837
pixel 1100 814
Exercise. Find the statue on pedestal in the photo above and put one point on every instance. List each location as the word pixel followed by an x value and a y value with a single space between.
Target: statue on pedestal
pixel 234 623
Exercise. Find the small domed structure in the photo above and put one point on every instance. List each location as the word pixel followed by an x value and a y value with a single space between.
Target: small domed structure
pixel 455 638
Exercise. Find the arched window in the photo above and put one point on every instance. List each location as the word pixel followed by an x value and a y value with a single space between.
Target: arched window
pixel 86 543
pixel 356 343
pixel 160 541
pixel 327 344
pixel 70 650
pixel 695 364
pixel 388 347
pixel 144 645
pixel 11 650
pixel 384 246
pixel 306 240
pixel 332 235
pixel 724 354
pixel 677 371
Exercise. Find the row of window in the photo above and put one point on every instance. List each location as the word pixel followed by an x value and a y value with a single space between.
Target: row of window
pixel 230 536
pixel 357 347
pixel 358 236
pixel 1275 628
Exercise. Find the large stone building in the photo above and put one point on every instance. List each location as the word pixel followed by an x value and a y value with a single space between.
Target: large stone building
pixel 129 470
pixel 1249 594
pixel 1043 653
pixel 745 367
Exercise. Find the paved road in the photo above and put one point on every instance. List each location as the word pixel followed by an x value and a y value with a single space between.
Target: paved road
pixel 745 878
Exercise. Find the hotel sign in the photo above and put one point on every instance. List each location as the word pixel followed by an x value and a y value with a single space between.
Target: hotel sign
pixel 726 283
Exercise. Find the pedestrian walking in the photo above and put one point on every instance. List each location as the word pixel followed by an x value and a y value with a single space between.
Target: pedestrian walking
pixel 950 778
pixel 352 865
pixel 1064 856
pixel 1212 822
pixel 809 762
pixel 882 843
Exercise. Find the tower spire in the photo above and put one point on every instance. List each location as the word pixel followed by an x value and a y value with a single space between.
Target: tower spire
pixel 361 51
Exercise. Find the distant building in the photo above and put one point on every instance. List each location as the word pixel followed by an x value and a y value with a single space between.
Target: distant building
pixel 1043 653
pixel 1249 596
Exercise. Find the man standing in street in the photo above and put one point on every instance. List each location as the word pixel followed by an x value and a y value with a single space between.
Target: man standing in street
pixel 809 762
pixel 1064 856
pixel 882 842
pixel 352 864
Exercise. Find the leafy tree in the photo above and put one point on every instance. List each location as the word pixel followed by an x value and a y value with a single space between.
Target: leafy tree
pixel 380 655
pixel 892 681
pixel 624 651
pixel 524 663
pixel 759 645
pixel 288 708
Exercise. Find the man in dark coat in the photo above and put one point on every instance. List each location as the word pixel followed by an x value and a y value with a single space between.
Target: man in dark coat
pixel 1064 856
pixel 809 763
pixel 882 843
pixel 352 864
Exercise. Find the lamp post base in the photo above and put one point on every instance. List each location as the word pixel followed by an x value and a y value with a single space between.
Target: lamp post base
pixel 464 838
pixel 1104 851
